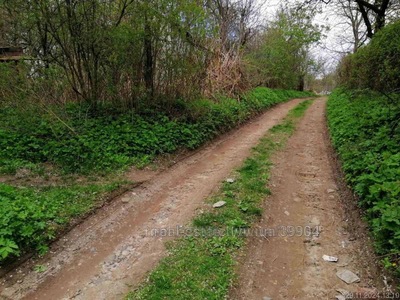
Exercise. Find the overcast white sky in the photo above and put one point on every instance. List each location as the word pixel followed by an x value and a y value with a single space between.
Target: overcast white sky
pixel 330 46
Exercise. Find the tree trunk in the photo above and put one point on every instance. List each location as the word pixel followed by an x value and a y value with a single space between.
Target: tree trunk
pixel 301 83
pixel 148 60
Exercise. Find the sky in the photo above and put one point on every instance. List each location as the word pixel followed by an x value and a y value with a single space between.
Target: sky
pixel 329 47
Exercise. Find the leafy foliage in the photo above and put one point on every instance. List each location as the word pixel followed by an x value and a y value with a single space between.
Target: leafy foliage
pixel 377 65
pixel 105 51
pixel 83 143
pixel 122 52
pixel 365 132
pixel 281 57
pixel 31 217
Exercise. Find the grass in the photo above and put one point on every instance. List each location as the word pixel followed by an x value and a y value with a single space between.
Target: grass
pixel 201 265
pixel 31 217
pixel 74 140
pixel 365 132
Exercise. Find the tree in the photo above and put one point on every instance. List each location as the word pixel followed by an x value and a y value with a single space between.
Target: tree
pixel 281 59
pixel 132 51
pixel 116 48
pixel 353 20
pixel 235 21
pixel 374 14
pixel 379 8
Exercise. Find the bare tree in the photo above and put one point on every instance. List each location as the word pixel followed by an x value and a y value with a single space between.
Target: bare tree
pixel 237 21
pixel 374 14
pixel 379 8
pixel 352 21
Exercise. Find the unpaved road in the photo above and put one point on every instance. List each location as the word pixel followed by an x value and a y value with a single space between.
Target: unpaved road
pixel 110 251
pixel 305 193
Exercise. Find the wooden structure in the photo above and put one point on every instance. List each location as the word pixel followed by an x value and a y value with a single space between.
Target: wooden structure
pixel 11 54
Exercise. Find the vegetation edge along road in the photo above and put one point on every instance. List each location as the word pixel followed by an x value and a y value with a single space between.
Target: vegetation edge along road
pixel 36 208
pixel 201 265
pixel 367 143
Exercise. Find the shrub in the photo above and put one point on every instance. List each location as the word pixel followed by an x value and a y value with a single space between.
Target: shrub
pixel 376 65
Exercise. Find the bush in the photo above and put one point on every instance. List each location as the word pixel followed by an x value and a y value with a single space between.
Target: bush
pixel 366 135
pixel 375 66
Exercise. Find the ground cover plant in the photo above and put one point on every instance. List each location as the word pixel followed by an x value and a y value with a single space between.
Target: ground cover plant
pixel 366 134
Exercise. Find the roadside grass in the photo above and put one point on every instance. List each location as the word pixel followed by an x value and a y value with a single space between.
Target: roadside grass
pixel 201 264
pixel 32 216
pixel 75 140
pixel 364 129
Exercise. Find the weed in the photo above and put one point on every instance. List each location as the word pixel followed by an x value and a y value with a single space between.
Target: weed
pixel 363 133
pixel 104 143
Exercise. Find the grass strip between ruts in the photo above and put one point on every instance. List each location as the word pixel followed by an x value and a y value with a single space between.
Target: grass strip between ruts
pixel 201 264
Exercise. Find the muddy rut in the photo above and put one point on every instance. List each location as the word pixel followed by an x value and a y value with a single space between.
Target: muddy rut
pixel 110 252
pixel 306 194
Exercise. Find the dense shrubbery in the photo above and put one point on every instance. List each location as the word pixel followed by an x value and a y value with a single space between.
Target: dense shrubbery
pixel 377 65
pixel 366 133
pixel 121 52
pixel 82 143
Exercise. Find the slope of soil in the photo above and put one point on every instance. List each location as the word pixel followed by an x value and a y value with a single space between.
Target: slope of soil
pixel 288 263
pixel 104 256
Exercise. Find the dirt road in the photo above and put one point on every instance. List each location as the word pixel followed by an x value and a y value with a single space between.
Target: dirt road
pixel 107 254
pixel 306 191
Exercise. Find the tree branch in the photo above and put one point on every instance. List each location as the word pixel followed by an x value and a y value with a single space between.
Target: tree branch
pixel 366 4
pixel 366 18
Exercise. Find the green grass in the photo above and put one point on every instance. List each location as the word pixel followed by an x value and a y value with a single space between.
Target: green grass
pixel 74 140
pixel 201 266
pixel 364 132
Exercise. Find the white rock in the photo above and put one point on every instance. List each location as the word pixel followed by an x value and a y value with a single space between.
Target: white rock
pixel 230 180
pixel 125 200
pixel 329 258
pixel 219 204
pixel 347 276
